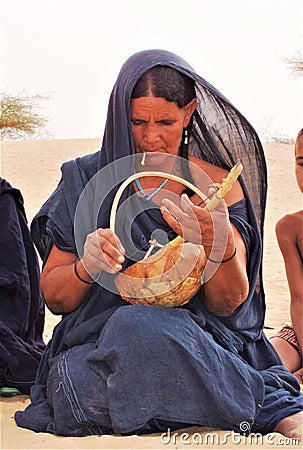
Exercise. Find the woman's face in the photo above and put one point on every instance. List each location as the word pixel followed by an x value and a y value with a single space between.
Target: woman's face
pixel 157 124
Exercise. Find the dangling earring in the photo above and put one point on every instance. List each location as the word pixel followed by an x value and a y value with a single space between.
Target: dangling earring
pixel 185 136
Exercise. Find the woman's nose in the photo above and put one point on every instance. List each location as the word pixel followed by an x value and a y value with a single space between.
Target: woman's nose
pixel 151 134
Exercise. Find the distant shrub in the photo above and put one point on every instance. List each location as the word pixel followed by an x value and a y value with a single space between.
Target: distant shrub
pixel 269 134
pixel 295 64
pixel 19 118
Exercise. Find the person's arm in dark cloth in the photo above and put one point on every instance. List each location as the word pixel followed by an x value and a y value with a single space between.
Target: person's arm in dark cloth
pixel 65 281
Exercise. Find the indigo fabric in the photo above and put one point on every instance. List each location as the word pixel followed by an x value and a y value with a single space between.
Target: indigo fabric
pixel 112 367
pixel 21 303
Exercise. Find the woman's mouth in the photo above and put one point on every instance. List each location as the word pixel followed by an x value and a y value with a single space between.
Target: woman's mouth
pixel 159 160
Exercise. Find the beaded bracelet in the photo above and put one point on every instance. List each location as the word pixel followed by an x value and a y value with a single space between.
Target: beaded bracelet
pixel 223 260
pixel 77 274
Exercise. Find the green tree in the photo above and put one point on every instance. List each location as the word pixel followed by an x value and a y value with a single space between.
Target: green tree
pixel 19 118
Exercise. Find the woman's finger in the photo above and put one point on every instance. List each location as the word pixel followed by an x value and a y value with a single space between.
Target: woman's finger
pixel 172 209
pixel 106 235
pixel 103 251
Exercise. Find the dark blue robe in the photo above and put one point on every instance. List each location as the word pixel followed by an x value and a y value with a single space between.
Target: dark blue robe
pixel 112 367
pixel 21 303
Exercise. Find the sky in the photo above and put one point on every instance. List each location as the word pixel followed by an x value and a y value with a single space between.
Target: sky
pixel 72 50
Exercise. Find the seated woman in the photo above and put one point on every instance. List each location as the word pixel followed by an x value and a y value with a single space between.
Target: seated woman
pixel 289 341
pixel 21 302
pixel 115 367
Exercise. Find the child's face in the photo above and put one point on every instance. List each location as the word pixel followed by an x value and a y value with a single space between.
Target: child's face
pixel 299 162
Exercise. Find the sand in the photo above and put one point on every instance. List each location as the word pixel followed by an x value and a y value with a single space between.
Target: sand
pixel 34 168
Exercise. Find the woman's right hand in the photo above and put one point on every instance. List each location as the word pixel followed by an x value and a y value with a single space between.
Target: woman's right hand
pixel 103 251
pixel 62 288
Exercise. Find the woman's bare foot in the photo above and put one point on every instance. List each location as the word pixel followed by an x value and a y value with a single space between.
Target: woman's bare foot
pixel 291 426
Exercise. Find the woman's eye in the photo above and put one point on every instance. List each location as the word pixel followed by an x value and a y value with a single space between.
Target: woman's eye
pixel 166 122
pixel 137 122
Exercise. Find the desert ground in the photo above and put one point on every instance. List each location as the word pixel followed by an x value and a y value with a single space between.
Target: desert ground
pixel 34 168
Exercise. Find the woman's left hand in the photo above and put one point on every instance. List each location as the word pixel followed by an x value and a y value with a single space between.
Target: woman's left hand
pixel 198 225
pixel 227 286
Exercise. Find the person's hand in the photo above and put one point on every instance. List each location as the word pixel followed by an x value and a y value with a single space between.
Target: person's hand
pixel 196 224
pixel 102 251
pixel 299 375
